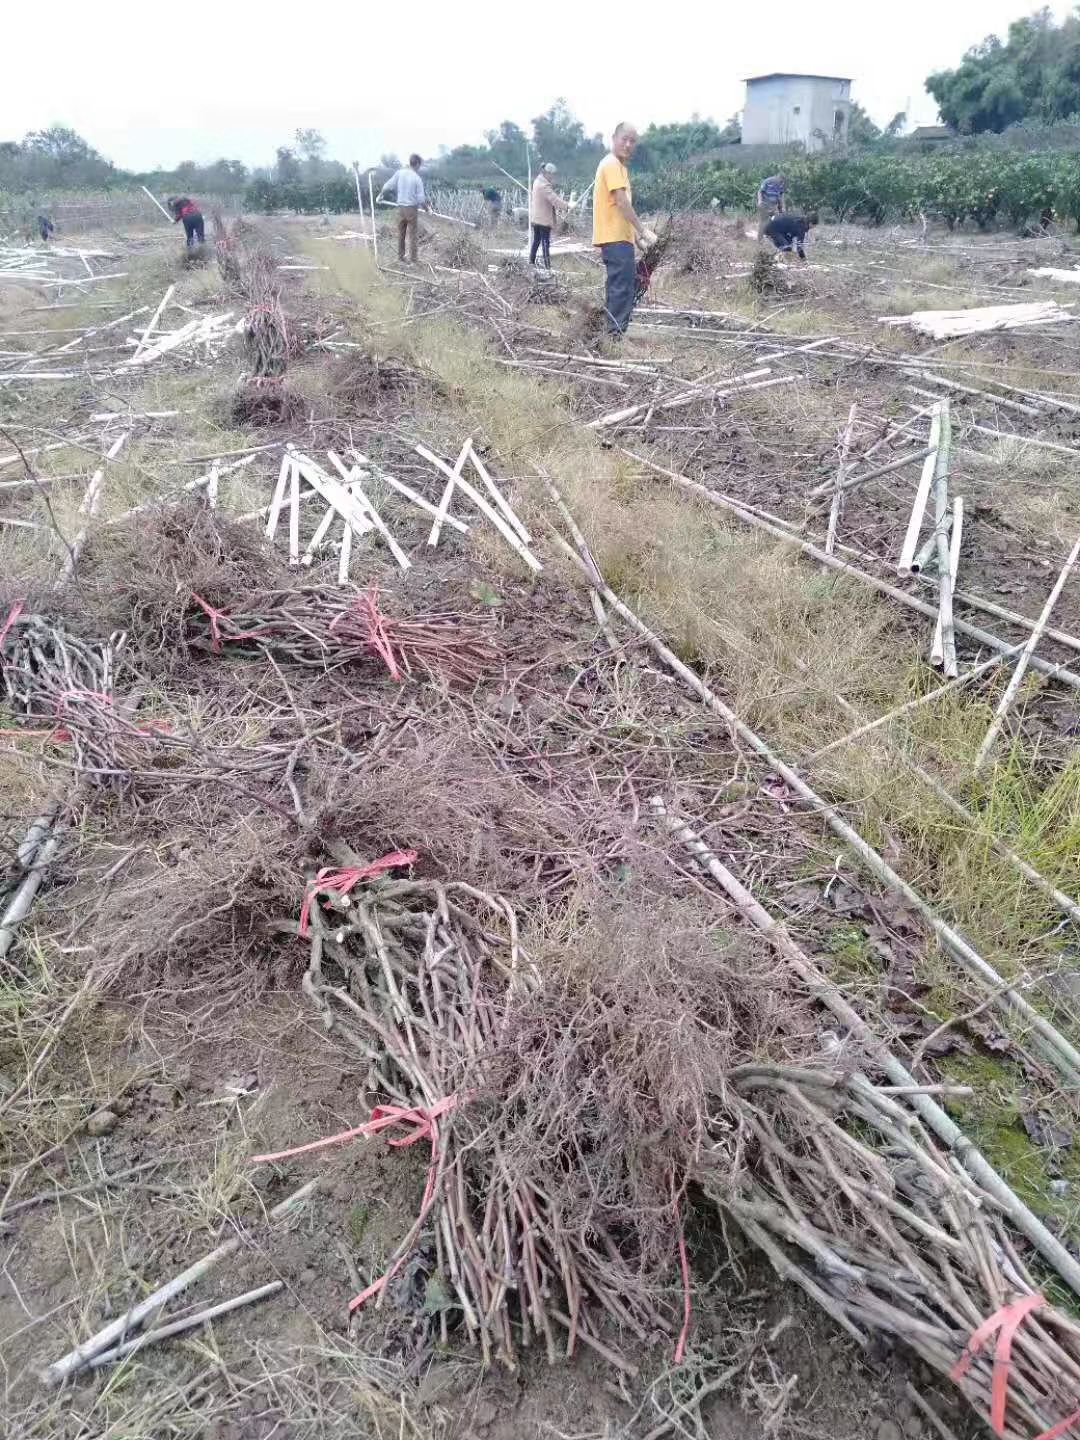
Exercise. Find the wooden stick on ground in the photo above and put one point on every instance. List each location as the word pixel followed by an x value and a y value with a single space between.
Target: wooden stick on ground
pixel 937 647
pixel 409 493
pixel 506 530
pixel 841 472
pixel 77 1359
pixel 189 1322
pixel 941 511
pixel 1005 703
pixel 91 502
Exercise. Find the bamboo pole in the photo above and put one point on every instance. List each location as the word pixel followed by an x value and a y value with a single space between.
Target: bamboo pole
pixel 158 203
pixel 374 226
pixel 1051 1042
pixel 1005 703
pixel 929 549
pixel 944 562
pixel 927 1108
pixel 937 647
pixel 77 1359
pixel 773 526
pixel 922 493
pixel 187 1322
pixel 838 495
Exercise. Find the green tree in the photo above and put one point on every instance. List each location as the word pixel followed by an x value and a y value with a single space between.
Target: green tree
pixel 666 145
pixel 559 136
pixel 861 129
pixel 287 169
pixel 506 146
pixel 1033 75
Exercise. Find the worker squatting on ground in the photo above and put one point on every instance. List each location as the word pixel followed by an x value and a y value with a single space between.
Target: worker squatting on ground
pixel 546 207
pixel 770 201
pixel 616 227
pixel 186 210
pixel 493 201
pixel 410 197
pixel 787 232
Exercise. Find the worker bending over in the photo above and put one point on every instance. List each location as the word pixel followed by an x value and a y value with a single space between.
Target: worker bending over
pixel 770 201
pixel 616 227
pixel 787 232
pixel 411 198
pixel 188 211
pixel 546 207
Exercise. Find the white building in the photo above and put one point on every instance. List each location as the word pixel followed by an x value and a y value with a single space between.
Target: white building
pixel 782 109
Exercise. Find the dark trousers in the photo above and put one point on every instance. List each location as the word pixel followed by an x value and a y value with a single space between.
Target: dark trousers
pixel 541 241
pixel 194 230
pixel 407 222
pixel 620 265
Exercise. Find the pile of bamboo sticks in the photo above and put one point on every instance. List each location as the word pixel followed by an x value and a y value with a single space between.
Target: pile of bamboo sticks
pixel 945 324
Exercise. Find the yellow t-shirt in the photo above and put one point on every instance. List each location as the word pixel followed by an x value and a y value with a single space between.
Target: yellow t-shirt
pixel 607 224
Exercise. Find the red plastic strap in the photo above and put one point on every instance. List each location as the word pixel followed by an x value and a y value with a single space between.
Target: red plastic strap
pixel 343 880
pixel 424 1124
pixel 1056 1431
pixel 13 615
pixel 215 616
pixel 1005 1322
pixel 365 610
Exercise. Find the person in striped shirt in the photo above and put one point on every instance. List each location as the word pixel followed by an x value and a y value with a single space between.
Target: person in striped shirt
pixel 770 201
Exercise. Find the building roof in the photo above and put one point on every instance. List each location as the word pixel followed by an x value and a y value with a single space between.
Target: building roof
pixel 931 132
pixel 792 75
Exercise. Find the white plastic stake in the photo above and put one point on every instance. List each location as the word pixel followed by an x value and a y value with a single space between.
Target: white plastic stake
pixel 279 496
pixel 448 493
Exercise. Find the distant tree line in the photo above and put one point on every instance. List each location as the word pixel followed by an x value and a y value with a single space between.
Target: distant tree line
pixel 1033 75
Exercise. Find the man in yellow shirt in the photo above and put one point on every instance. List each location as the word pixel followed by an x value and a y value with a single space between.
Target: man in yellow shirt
pixel 616 226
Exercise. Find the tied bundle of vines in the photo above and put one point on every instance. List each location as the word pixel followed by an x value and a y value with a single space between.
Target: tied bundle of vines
pixel 851 1198
pixel 428 981
pixel 313 627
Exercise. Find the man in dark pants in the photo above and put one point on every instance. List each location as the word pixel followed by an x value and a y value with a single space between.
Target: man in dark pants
pixel 616 227
pixel 187 211
pixel 787 232
pixel 546 208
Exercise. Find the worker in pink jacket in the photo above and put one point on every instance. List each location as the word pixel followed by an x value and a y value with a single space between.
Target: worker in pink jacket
pixel 545 209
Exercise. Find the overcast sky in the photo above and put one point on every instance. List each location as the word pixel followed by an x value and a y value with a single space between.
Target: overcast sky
pixel 153 85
